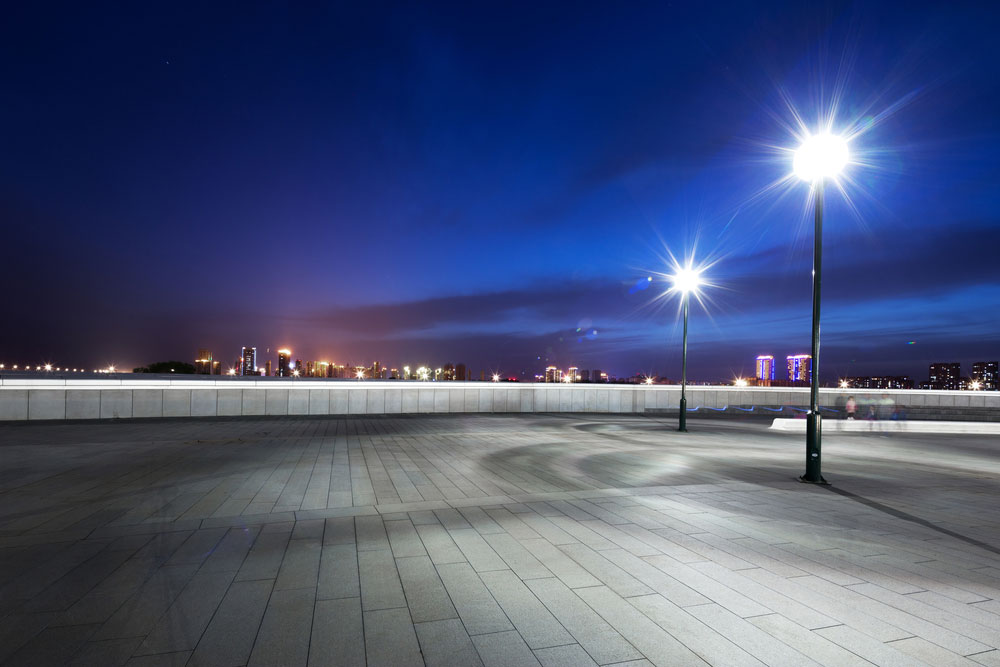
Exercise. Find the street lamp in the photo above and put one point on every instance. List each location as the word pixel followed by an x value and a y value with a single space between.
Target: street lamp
pixel 821 156
pixel 686 280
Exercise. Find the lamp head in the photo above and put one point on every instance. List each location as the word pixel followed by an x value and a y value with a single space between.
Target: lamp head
pixel 820 156
pixel 686 280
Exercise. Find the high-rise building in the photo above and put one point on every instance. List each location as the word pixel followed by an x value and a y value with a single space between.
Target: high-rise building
pixel 799 368
pixel 267 368
pixel 879 382
pixel 585 375
pixel 985 373
pixel 460 373
pixel 945 375
pixel 203 363
pixel 765 367
pixel 597 375
pixel 574 374
pixel 553 374
pixel 284 367
pixel 248 361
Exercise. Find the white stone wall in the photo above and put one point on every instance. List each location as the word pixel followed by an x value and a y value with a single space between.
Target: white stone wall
pixel 38 399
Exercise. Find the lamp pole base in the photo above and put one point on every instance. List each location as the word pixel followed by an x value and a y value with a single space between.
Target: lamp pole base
pixel 682 421
pixel 814 461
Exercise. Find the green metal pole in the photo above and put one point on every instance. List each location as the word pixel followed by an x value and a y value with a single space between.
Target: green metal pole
pixel 814 424
pixel 682 426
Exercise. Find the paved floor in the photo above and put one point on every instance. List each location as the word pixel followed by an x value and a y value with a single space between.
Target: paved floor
pixel 495 540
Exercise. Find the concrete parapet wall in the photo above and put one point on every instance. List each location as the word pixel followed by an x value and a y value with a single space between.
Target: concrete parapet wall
pixel 127 397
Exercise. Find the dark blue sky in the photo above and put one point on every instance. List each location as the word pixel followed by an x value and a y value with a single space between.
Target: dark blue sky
pixel 456 183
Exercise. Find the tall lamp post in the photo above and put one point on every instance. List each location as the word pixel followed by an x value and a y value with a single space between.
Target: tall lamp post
pixel 686 280
pixel 821 156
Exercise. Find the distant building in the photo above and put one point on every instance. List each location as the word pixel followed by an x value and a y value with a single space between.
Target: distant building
pixel 880 382
pixel 985 373
pixel 248 361
pixel 799 368
pixel 284 365
pixel 585 375
pixel 267 368
pixel 203 362
pixel 765 367
pixel 598 375
pixel 553 374
pixel 461 374
pixel 945 375
pixel 574 374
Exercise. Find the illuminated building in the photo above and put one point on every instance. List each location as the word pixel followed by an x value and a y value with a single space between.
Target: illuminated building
pixel 203 363
pixel 267 368
pixel 878 382
pixel 284 367
pixel 585 376
pixel 574 374
pixel 945 375
pixel 799 368
pixel 597 375
pixel 985 373
pixel 553 374
pixel 248 361
pixel 765 367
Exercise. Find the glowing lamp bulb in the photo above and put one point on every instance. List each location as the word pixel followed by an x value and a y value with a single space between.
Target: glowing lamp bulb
pixel 820 156
pixel 496 377
pixel 687 280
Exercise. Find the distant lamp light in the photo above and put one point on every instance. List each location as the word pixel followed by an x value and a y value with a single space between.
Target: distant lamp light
pixel 740 382
pixel 648 380
pixel 844 384
pixel 231 371
pixel 567 378
pixel 820 156
pixel 360 374
pixel 496 377
pixel 975 385
pixel 295 373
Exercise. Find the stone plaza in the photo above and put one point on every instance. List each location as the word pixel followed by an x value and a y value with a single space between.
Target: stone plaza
pixel 493 539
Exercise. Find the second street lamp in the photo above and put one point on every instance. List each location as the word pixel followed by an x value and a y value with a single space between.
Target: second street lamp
pixel 821 156
pixel 686 280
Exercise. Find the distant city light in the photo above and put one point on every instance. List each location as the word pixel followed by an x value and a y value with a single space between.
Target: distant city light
pixel 740 382
pixel 360 374
pixel 648 380
pixel 295 373
pixel 496 377
pixel 231 371
pixel 820 156
pixel 975 385
pixel 844 384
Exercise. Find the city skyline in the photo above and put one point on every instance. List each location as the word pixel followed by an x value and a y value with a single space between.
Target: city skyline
pixel 414 187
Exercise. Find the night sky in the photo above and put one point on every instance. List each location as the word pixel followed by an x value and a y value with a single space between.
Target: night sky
pixel 495 184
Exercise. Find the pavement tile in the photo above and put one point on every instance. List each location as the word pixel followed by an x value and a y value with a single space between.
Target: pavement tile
pixel 538 627
pixel 390 639
pixel 445 643
pixel 475 604
pixel 283 638
pixel 504 649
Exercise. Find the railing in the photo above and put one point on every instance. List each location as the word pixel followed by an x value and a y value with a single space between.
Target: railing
pixel 130 396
